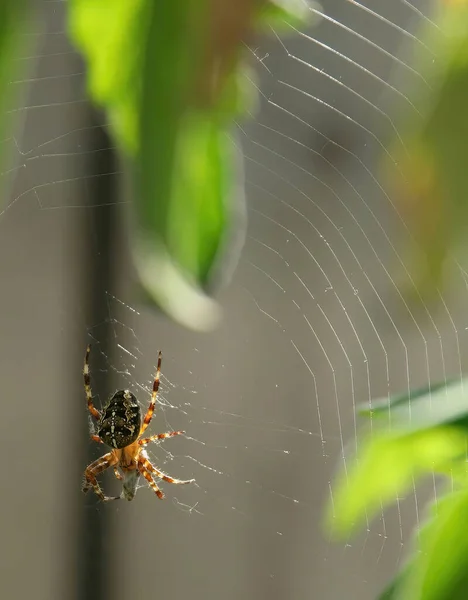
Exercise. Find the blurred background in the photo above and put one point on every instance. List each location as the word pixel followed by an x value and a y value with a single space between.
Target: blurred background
pixel 314 324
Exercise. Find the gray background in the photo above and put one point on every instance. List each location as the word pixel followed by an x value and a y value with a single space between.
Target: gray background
pixel 313 324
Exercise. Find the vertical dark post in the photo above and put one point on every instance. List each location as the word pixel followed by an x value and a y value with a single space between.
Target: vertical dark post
pixel 94 540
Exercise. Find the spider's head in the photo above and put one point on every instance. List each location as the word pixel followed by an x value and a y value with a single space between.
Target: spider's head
pixel 120 423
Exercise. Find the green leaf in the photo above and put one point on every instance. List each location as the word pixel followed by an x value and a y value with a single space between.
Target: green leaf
pixel 12 21
pixel 387 465
pixel 11 27
pixel 278 13
pixel 110 34
pixel 143 58
pixel 440 403
pixel 171 77
pixel 394 588
pixel 381 406
pixel 239 94
pixel 440 569
pixel 408 584
pixel 187 179
pixel 432 155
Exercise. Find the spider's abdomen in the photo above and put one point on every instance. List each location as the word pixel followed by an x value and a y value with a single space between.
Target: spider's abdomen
pixel 121 420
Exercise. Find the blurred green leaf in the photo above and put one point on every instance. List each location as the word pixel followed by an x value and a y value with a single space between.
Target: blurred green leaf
pixel 440 568
pixel 278 13
pixel 392 591
pixel 239 94
pixel 438 556
pixel 387 465
pixel 382 406
pixel 12 13
pixel 437 404
pixel 171 77
pixel 142 57
pixel 433 195
pixel 185 170
pixel 111 34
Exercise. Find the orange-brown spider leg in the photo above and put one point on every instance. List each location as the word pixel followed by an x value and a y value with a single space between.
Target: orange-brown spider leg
pixel 94 469
pixel 147 475
pixel 154 395
pixel 118 474
pixel 87 384
pixel 96 438
pixel 159 436
pixel 147 466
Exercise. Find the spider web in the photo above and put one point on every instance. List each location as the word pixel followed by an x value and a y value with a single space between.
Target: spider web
pixel 314 321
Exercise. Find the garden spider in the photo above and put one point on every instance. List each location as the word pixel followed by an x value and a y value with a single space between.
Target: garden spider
pixel 119 426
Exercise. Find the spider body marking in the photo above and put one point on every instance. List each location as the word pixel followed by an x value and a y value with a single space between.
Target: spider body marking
pixel 120 427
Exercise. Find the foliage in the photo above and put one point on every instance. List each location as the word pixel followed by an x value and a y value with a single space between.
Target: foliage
pixel 170 75
pixel 412 436
pixel 432 196
pixel 12 13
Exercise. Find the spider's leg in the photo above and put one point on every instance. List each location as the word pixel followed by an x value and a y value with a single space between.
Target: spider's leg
pixel 147 475
pixel 147 466
pixel 96 438
pixel 94 469
pixel 87 384
pixel 159 436
pixel 154 395
pixel 118 474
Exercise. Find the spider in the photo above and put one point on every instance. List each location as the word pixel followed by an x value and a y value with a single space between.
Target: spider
pixel 119 426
